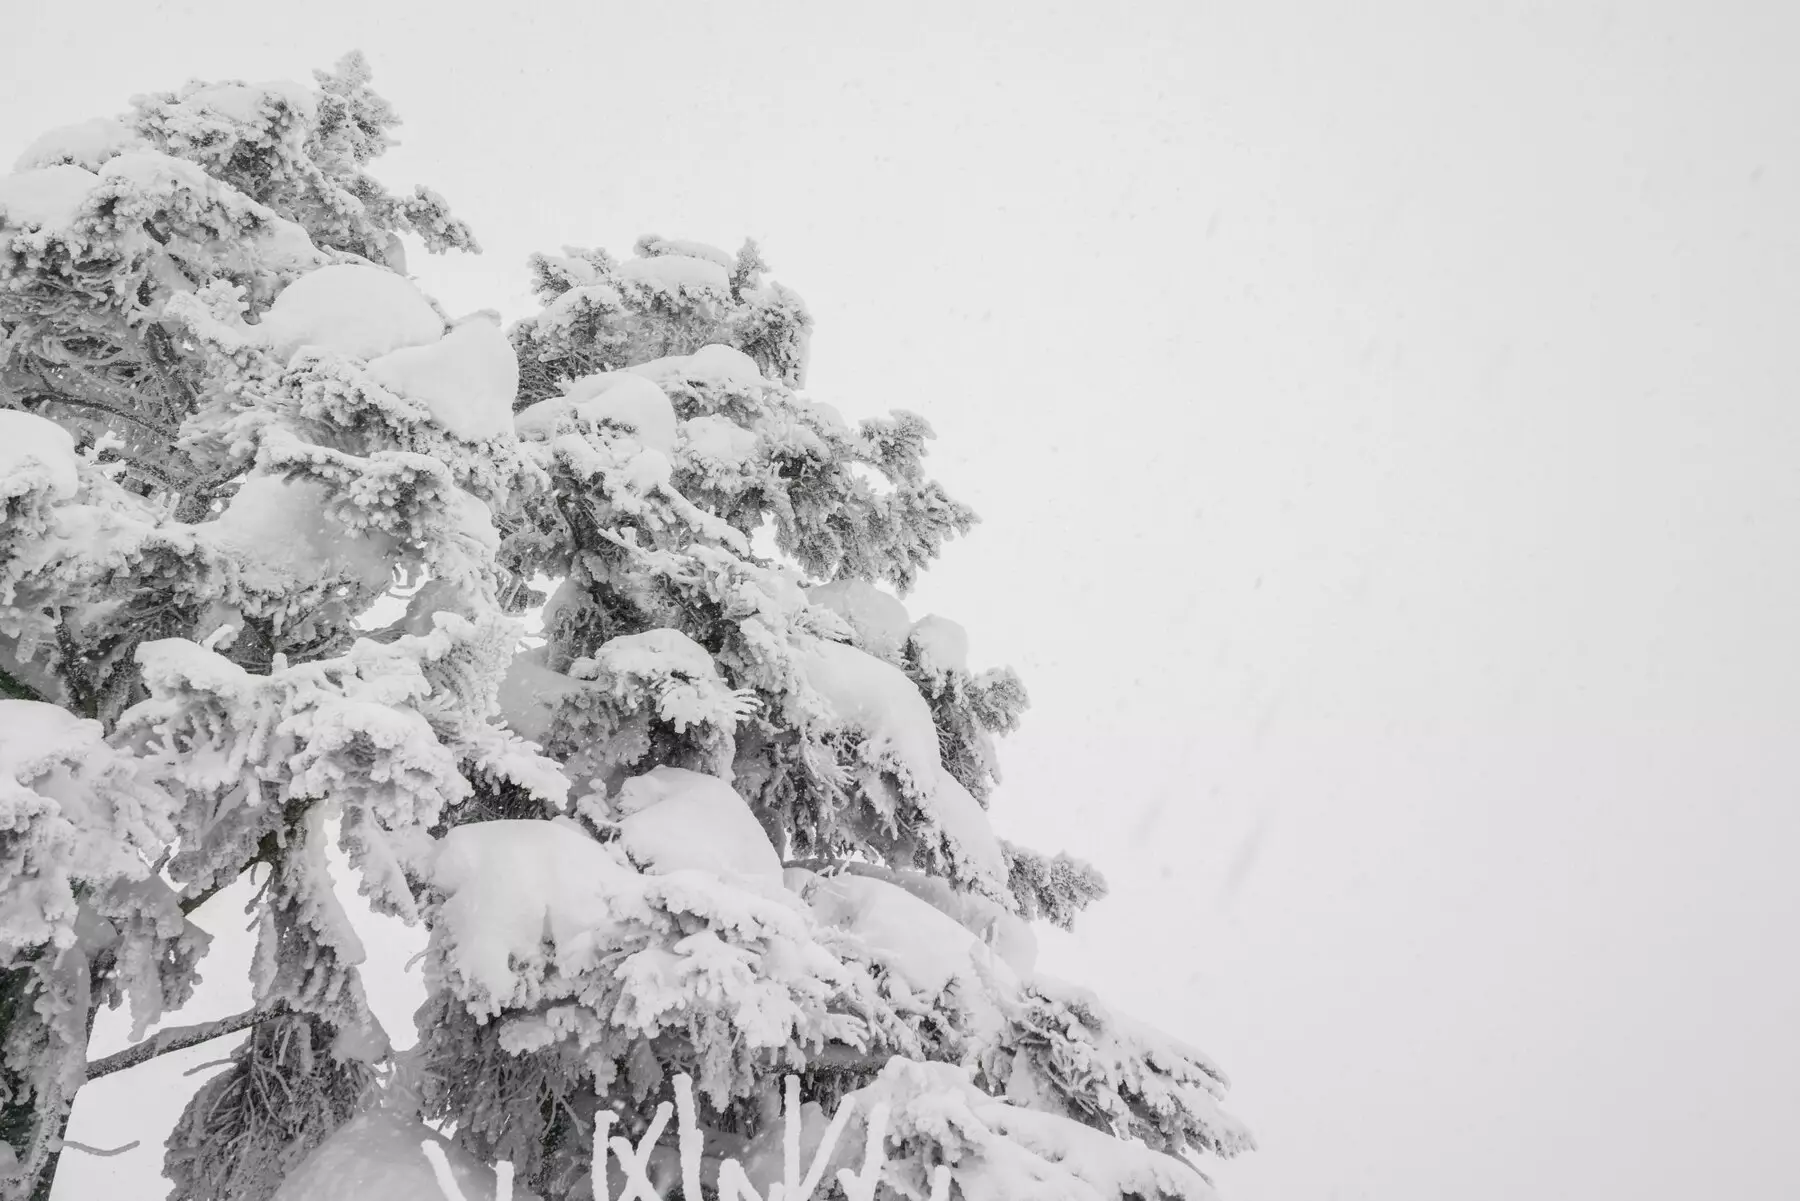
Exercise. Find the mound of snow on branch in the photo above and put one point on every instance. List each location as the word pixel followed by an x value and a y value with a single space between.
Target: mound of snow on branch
pixel 468 378
pixel 675 820
pixel 77 816
pixel 651 246
pixel 84 144
pixel 676 272
pixel 280 535
pixel 877 699
pixel 359 312
pixel 530 693
pixel 49 197
pixel 714 364
pixel 628 399
pixel 880 622
pixel 675 671
pixel 1007 934
pixel 513 886
pixel 924 947
pixel 36 455
pixel 963 821
pixel 942 646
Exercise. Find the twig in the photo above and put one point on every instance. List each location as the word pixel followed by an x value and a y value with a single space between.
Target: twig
pixel 70 1144
pixel 79 402
pixel 211 1063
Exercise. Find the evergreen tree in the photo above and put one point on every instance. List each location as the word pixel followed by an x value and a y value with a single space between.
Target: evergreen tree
pixel 271 523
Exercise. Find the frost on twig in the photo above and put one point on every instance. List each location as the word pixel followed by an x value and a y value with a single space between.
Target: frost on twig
pixel 103 1153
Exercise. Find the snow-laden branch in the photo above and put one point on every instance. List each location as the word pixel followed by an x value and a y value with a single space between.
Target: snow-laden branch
pixel 177 1038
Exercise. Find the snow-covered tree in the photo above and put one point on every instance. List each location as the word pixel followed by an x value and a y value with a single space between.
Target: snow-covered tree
pixel 273 524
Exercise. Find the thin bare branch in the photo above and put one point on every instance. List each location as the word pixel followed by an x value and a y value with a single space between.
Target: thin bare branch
pixel 71 1145
pixel 177 1038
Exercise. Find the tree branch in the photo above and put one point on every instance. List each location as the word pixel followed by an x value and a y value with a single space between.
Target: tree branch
pixel 843 1057
pixel 178 1038
pixel 81 402
pixel 189 904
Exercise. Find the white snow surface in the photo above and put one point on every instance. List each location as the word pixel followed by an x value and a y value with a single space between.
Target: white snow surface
pixel 376 1156
pixel 36 453
pixel 880 621
pixel 152 170
pixel 674 272
pixel 672 670
pixel 565 308
pixel 628 399
pixel 251 103
pixel 361 312
pixel 85 144
pixel 657 653
pixel 714 363
pixel 675 820
pixel 530 693
pixel 74 812
pixel 718 442
pixel 473 519
pixel 922 945
pixel 48 197
pixel 876 698
pixel 965 823
pixel 511 885
pixel 280 535
pixel 287 246
pixel 35 735
pixel 1009 936
pixel 941 645
pixel 468 378
pixel 696 250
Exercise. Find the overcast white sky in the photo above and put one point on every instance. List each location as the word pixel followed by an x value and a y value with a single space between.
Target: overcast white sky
pixel 1383 417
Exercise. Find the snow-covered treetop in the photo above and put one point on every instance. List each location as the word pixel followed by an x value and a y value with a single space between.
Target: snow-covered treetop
pixel 272 521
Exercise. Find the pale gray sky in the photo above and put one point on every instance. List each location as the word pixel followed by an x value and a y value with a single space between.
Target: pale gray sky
pixel 1383 421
